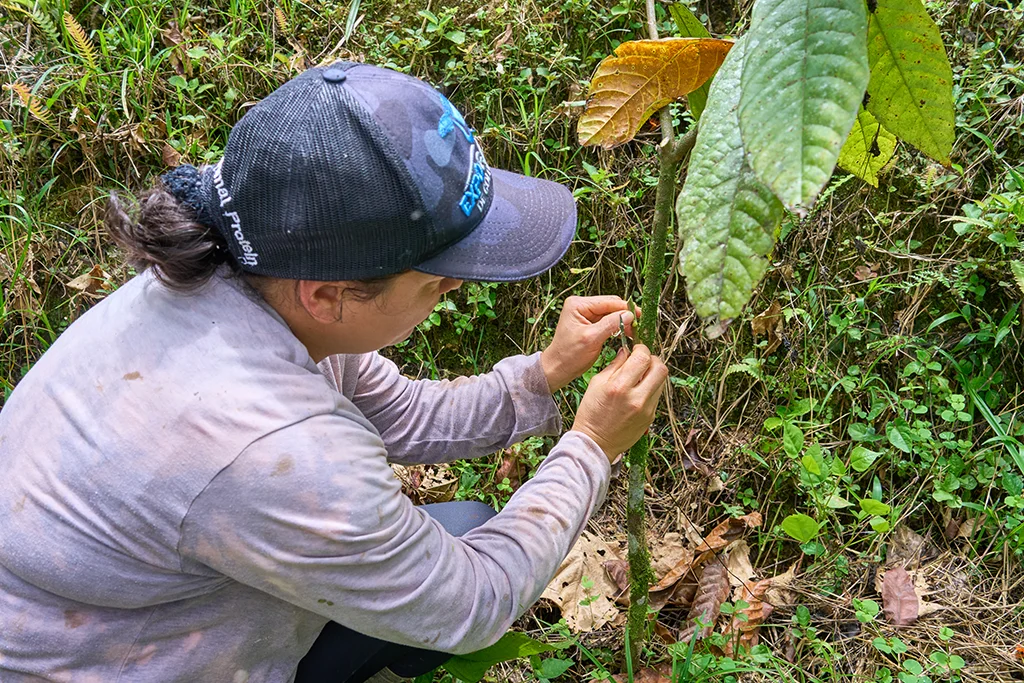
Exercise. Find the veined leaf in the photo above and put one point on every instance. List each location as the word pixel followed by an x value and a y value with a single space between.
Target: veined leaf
pixel 911 88
pixel 687 23
pixel 689 26
pixel 861 458
pixel 868 148
pixel 728 218
pixel 641 78
pixel 801 527
pixel 874 507
pixel 803 81
pixel 472 667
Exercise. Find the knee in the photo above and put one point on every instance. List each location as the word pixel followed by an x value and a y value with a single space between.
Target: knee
pixel 460 517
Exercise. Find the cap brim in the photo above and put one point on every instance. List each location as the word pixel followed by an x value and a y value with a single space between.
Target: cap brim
pixel 527 229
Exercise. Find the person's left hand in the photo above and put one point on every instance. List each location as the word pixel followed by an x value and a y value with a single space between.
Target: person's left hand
pixel 586 323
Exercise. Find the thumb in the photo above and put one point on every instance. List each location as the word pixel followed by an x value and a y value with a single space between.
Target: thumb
pixel 608 326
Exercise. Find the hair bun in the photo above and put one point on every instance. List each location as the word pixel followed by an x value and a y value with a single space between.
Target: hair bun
pixel 186 184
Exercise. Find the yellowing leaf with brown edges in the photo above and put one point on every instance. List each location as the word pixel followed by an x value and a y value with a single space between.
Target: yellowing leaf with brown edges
pixel 641 78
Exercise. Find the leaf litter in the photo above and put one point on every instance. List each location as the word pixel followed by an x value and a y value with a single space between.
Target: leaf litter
pixel 582 589
pixel 899 601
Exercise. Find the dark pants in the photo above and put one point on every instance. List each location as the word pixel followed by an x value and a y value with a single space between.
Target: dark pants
pixel 340 655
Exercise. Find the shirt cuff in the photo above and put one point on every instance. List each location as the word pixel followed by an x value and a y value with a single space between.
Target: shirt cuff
pixel 536 411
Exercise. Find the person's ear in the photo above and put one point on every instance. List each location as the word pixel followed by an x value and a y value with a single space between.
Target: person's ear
pixel 321 300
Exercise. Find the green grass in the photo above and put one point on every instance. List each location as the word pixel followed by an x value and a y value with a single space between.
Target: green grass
pixel 901 332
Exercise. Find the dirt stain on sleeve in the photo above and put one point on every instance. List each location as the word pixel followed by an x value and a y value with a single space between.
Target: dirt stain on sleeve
pixel 74 618
pixel 284 466
pixel 132 375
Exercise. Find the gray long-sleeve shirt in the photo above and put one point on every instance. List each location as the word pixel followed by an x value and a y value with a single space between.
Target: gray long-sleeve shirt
pixel 186 496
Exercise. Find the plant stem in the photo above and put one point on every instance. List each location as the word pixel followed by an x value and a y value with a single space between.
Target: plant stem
pixel 640 574
pixel 670 154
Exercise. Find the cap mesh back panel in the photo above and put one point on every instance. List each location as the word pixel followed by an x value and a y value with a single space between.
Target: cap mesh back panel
pixel 323 192
pixel 368 187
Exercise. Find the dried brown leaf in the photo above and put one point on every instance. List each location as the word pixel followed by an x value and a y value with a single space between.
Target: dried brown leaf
pixel 866 272
pixel 618 570
pixel 907 548
pixel 90 282
pixel 712 590
pixel 509 469
pixel 664 592
pixel 768 323
pixel 766 319
pixel 745 631
pixel 729 531
pixel 639 79
pixel 738 565
pixel 684 592
pixel 661 674
pixel 683 566
pixel 498 46
pixel 664 633
pixel 433 484
pixel 779 592
pixel 170 156
pixel 961 528
pixel 691 455
pixel 899 601
pixel 585 609
pixel 171 37
pixel 667 551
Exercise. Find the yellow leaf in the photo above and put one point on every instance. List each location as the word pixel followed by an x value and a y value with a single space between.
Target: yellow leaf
pixel 34 105
pixel 641 78
pixel 82 43
pixel 868 148
pixel 281 20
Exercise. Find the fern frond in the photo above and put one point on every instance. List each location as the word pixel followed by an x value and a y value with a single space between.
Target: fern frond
pixel 750 366
pixel 1017 268
pixel 82 43
pixel 280 19
pixel 33 104
pixel 45 24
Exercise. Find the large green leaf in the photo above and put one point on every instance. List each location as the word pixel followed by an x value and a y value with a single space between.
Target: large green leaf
pixel 804 78
pixel 689 26
pixel 728 218
pixel 911 88
pixel 472 667
pixel 868 148
pixel 801 527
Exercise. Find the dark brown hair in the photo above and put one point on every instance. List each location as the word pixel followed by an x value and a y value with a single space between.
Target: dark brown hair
pixel 165 236
pixel 185 253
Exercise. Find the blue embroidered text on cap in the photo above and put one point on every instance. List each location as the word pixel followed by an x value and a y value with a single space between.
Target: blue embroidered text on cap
pixel 450 119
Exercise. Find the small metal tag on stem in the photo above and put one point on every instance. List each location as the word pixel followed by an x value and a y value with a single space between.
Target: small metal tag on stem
pixel 621 334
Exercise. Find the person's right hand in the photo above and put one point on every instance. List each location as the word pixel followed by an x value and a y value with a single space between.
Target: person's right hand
pixel 619 404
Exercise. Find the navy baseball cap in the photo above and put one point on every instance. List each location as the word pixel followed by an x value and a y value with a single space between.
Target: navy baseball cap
pixel 352 171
